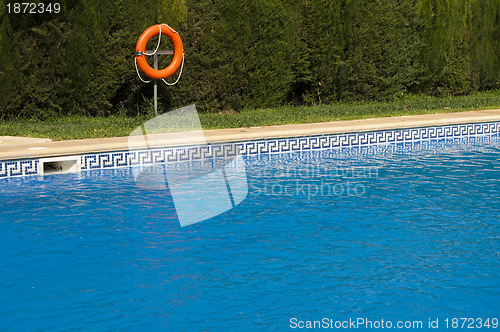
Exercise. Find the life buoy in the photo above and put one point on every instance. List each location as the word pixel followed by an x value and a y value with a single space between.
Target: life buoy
pixel 140 51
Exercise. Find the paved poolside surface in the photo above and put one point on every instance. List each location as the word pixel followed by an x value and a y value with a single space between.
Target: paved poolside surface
pixel 12 148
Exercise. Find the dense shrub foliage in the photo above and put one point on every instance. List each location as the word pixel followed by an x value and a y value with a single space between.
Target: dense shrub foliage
pixel 242 53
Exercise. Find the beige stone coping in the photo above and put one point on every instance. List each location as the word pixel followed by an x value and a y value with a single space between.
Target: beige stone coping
pixel 21 140
pixel 21 148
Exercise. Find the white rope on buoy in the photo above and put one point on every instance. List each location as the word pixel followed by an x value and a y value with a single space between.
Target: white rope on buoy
pixel 159 40
pixel 180 73
pixel 139 74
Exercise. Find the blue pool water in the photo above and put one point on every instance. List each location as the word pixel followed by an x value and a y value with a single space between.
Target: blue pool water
pixel 401 233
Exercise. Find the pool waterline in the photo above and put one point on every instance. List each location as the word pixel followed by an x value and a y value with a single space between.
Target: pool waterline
pixel 151 155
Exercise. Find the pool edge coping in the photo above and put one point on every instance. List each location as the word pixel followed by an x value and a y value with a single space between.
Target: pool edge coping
pixel 38 150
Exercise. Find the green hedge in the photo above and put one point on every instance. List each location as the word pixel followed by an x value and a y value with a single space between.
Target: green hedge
pixel 247 54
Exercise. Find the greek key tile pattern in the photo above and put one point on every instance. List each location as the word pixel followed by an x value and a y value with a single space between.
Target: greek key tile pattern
pixel 353 143
pixel 18 168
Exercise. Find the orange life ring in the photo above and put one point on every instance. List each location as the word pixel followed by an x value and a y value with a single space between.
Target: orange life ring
pixel 140 50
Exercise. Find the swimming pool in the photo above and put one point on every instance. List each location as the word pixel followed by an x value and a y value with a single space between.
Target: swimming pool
pixel 399 232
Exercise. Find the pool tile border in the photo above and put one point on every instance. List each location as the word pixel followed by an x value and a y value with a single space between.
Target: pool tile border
pixel 117 159
pixel 13 168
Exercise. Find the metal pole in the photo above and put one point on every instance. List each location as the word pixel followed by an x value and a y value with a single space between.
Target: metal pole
pixel 155 89
pixel 155 65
